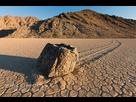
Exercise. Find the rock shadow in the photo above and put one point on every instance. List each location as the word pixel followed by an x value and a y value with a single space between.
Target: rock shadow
pixel 23 65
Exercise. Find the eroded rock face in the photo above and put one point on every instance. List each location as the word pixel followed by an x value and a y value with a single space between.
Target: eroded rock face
pixel 57 59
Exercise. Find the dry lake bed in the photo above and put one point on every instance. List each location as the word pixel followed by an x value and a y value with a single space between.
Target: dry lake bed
pixel 106 68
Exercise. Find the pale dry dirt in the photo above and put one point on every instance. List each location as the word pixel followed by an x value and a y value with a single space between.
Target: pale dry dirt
pixel 106 68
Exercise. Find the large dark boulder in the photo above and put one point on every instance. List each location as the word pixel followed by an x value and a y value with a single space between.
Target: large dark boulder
pixel 57 59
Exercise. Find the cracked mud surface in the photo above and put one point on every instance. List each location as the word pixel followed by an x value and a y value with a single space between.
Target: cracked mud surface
pixel 106 68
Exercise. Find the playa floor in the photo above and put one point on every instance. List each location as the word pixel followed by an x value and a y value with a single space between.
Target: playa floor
pixel 106 68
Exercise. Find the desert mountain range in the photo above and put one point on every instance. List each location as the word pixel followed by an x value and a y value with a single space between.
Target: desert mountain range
pixel 82 24
pixel 9 22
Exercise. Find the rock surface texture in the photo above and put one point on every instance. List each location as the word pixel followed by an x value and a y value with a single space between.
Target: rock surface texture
pixel 57 59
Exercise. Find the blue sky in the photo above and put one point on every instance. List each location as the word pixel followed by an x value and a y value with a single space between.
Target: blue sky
pixel 44 12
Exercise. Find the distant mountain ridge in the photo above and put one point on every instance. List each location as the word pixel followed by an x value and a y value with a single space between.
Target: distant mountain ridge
pixel 82 24
pixel 9 22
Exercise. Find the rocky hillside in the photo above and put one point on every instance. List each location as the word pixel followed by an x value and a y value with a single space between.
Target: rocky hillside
pixel 83 24
pixel 9 22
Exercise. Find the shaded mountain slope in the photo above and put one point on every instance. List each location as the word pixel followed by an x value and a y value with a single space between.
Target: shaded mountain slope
pixel 83 24
pixel 9 24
